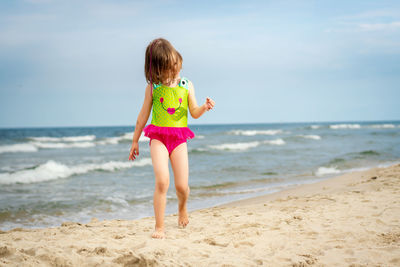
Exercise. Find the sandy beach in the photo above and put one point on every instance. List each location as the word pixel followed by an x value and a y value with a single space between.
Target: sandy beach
pixel 350 220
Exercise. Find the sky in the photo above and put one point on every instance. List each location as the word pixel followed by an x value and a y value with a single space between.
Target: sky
pixel 81 63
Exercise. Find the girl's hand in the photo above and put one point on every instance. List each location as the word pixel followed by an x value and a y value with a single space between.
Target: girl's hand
pixel 209 103
pixel 134 151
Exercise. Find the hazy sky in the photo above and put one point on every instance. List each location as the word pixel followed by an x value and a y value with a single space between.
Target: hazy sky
pixel 80 63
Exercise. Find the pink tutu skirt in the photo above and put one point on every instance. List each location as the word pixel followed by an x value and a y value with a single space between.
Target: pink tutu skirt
pixel 178 132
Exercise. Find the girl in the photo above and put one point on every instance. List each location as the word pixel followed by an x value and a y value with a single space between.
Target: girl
pixel 170 96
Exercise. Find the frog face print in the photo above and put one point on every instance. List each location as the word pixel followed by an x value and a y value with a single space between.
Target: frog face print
pixel 170 110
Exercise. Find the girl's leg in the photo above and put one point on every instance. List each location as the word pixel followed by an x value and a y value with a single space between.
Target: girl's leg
pixel 180 166
pixel 159 157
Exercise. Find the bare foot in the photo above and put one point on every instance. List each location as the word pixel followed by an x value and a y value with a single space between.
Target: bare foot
pixel 183 219
pixel 158 233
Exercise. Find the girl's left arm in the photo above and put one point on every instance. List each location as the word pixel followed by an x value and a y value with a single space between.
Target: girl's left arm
pixel 195 110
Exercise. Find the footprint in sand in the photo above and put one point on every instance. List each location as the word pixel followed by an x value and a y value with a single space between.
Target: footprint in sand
pixel 308 260
pixel 390 237
pixel 30 252
pixel 100 250
pixel 82 251
pixel 395 261
pixel 6 251
pixel 244 243
pixel 380 222
pixel 135 260
pixel 350 260
pixel 211 241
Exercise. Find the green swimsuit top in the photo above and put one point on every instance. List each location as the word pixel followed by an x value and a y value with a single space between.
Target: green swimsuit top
pixel 170 104
pixel 170 109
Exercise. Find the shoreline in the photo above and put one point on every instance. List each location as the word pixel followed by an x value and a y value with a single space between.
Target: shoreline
pixel 353 218
pixel 297 190
pixel 265 195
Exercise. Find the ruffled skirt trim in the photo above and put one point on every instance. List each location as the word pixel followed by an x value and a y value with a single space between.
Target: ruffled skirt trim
pixel 179 132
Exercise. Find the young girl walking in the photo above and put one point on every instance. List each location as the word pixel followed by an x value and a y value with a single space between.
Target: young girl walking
pixel 170 96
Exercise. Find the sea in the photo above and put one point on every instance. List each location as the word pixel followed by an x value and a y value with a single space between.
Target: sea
pixel 52 175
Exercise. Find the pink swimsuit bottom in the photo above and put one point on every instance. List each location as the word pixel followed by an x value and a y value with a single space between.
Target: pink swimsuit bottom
pixel 170 142
pixel 171 137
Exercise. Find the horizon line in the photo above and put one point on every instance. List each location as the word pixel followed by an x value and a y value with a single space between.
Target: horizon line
pixel 199 124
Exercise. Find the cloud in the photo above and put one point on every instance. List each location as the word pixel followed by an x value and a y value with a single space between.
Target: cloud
pixel 380 26
pixel 372 20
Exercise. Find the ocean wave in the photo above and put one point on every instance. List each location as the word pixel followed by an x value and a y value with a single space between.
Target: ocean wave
pixel 64 139
pixel 311 136
pixel 277 142
pixel 315 127
pixel 321 171
pixel 326 170
pixel 345 126
pixel 18 148
pixel 337 160
pixel 235 146
pixel 52 170
pixel 62 145
pixel 118 139
pixel 128 137
pixel 198 150
pixel 199 136
pixel 246 145
pixel 358 126
pixel 46 142
pixel 255 132
pixel 369 153
pixel 118 200
pixel 34 146
pixel 383 126
pixel 234 184
pixel 215 186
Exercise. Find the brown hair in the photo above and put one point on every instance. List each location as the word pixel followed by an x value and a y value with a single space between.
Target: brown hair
pixel 162 62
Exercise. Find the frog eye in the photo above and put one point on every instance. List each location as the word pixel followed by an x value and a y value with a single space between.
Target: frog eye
pixel 183 82
pixel 180 100
pixel 161 99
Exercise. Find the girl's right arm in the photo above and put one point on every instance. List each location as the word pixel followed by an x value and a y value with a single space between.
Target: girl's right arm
pixel 141 122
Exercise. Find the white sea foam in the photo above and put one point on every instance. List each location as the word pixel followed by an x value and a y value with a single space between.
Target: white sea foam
pixel 246 145
pixel 62 145
pixel 52 170
pixel 199 136
pixel 345 126
pixel 18 148
pixel 311 136
pixel 66 142
pixel 384 126
pixel 357 169
pixel 118 200
pixel 34 146
pixel 277 142
pixel 64 139
pixel 326 170
pixel 129 136
pixel 315 126
pixel 255 132
pixel 387 164
pixel 125 137
pixel 236 146
pixel 333 170
pixel 109 141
